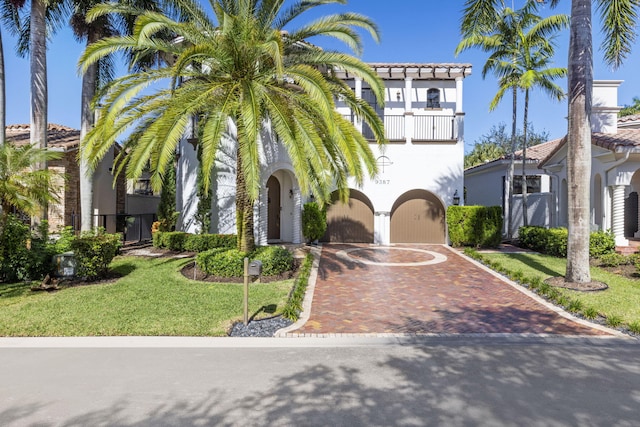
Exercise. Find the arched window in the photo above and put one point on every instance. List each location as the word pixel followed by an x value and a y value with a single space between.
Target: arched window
pixel 433 98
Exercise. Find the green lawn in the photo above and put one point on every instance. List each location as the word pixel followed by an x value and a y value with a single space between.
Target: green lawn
pixel 152 298
pixel 621 300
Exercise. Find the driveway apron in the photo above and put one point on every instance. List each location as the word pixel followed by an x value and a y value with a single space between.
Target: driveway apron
pixel 423 289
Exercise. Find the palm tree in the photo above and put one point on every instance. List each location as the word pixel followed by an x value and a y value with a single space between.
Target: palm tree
pixel 634 108
pixel 244 71
pixel 96 76
pixel 23 186
pixel 3 99
pixel 527 68
pixel 511 36
pixel 619 19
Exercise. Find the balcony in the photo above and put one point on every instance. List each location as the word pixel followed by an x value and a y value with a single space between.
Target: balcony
pixel 425 128
pixel 434 128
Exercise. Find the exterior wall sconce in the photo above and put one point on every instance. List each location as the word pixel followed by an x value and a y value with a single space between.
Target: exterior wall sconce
pixel 290 193
pixel 456 198
pixel 398 95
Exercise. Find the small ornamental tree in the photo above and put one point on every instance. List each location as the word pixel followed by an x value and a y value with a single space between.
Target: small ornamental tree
pixel 314 221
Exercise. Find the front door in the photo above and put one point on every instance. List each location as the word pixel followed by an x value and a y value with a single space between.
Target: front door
pixel 273 212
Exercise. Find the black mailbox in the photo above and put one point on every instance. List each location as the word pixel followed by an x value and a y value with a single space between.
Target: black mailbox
pixel 255 268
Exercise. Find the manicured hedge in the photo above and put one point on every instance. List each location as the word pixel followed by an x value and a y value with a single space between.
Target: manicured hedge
pixel 94 251
pixel 553 241
pixel 230 262
pixel 181 241
pixel 479 226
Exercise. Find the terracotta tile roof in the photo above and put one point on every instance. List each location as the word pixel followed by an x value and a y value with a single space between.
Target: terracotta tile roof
pixel 540 151
pixel 631 118
pixel 625 138
pixel 59 136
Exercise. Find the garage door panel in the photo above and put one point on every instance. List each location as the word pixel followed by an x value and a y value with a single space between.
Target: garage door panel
pixel 418 217
pixel 350 222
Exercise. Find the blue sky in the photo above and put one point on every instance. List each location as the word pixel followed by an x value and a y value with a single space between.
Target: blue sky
pixel 412 31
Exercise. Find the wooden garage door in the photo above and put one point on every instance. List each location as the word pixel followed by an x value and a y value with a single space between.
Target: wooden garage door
pixel 350 222
pixel 418 217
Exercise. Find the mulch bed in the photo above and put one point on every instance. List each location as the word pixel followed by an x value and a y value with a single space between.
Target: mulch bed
pixel 583 287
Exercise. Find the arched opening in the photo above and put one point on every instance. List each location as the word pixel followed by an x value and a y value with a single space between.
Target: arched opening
pixel 273 209
pixel 350 222
pixel 418 216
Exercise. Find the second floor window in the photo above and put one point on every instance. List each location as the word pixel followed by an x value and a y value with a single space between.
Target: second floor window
pixel 433 98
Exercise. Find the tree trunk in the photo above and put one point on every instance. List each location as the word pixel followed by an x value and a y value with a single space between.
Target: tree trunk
pixel 38 65
pixel 87 118
pixel 525 210
pixel 244 211
pixel 579 141
pixel 3 99
pixel 512 162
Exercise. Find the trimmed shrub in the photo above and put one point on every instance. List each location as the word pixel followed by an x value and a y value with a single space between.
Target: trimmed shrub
pixel 180 241
pixel 275 260
pixel 94 251
pixel 204 242
pixel 223 263
pixel 293 308
pixel 553 241
pixel 314 221
pixel 478 226
pixel 600 243
pixel 613 260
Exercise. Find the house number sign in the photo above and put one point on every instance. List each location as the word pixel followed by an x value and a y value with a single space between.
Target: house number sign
pixel 383 181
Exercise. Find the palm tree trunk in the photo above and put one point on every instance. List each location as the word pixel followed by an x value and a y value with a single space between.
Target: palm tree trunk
pixel 38 65
pixel 87 117
pixel 512 162
pixel 525 210
pixel 3 99
pixel 244 211
pixel 580 72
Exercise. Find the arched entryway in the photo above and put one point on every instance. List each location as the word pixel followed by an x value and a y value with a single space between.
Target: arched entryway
pixel 418 216
pixel 274 207
pixel 350 222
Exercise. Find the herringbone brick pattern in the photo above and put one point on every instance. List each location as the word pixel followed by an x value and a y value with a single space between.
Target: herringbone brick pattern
pixel 451 297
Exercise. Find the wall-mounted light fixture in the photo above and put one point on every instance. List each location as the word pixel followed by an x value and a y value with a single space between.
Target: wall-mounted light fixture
pixel 398 95
pixel 290 193
pixel 456 198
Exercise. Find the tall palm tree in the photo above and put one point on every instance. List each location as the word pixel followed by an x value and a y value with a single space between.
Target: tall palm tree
pixel 3 99
pixel 96 76
pixel 245 71
pixel 619 19
pixel 511 36
pixel 528 67
pixel 22 186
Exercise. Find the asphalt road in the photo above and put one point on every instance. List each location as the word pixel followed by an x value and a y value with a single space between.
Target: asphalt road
pixel 437 381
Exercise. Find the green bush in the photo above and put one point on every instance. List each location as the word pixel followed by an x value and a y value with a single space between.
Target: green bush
pixel 23 255
pixel 600 243
pixel 613 260
pixel 275 260
pixel 314 221
pixel 180 241
pixel 223 263
pixel 478 226
pixel 204 242
pixel 553 241
pixel 293 307
pixel 94 251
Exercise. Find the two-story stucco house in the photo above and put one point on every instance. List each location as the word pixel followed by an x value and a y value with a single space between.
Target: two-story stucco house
pixel 420 170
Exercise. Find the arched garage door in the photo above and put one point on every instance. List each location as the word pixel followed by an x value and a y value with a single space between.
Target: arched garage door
pixel 418 217
pixel 350 222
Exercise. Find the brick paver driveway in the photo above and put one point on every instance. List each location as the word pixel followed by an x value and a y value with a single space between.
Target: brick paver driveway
pixel 422 289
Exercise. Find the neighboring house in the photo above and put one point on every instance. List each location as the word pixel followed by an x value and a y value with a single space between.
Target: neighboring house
pixel 488 185
pixel 420 169
pixel 615 168
pixel 110 204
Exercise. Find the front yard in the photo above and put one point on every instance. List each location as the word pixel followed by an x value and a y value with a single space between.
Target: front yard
pixel 619 305
pixel 151 298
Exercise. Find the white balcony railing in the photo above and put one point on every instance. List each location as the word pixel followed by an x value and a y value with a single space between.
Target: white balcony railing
pixel 393 128
pixel 434 128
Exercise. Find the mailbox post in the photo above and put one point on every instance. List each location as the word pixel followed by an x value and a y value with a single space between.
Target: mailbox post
pixel 253 268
